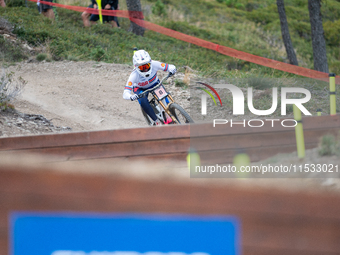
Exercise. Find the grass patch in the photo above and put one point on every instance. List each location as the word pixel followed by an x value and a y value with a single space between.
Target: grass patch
pixel 11 51
pixel 41 56
pixel 250 26
pixel 261 83
pixel 329 145
pixel 180 84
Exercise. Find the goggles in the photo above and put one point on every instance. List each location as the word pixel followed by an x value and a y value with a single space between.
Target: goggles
pixel 144 68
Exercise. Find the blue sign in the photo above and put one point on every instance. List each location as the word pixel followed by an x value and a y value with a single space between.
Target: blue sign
pixel 118 234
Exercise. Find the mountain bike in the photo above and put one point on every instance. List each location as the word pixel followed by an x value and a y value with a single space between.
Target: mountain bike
pixel 163 104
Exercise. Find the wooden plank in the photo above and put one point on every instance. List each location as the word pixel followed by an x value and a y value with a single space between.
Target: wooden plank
pixel 140 134
pixel 260 143
pixel 113 150
pixel 261 140
pixel 272 221
pixel 95 137
pixel 213 199
pixel 318 122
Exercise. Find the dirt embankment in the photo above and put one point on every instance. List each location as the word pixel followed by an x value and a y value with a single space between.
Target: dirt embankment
pixel 76 96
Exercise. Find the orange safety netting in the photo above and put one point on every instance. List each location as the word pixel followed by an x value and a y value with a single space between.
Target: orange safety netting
pixel 137 17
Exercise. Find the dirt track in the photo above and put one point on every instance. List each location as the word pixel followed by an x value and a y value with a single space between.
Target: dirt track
pixel 82 95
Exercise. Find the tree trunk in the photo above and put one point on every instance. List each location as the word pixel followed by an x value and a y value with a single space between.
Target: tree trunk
pixel 318 38
pixel 135 11
pixel 285 33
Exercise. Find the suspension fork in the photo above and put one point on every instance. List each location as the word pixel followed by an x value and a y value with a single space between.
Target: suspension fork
pixel 166 108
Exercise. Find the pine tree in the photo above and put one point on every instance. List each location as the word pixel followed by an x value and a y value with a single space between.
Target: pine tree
pixel 135 11
pixel 285 33
pixel 318 37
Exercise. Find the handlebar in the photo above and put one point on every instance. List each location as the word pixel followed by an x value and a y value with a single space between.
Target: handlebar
pixel 155 87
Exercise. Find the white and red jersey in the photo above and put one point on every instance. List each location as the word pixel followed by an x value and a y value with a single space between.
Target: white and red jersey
pixel 138 81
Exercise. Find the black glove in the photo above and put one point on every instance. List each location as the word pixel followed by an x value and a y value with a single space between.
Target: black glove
pixel 134 97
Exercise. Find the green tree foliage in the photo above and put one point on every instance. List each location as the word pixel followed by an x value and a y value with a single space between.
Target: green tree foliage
pixel 159 9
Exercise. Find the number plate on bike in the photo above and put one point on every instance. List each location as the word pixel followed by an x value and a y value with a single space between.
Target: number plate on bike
pixel 160 92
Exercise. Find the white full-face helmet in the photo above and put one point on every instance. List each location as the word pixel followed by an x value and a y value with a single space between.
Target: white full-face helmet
pixel 142 62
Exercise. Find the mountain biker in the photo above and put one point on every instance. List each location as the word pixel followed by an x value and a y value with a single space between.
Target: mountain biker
pixel 144 77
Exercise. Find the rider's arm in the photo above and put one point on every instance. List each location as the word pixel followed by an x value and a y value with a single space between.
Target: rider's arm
pixel 164 67
pixel 127 94
pixel 127 91
pixel 129 86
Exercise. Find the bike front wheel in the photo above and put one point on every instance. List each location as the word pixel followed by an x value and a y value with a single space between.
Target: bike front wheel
pixel 180 114
pixel 147 118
